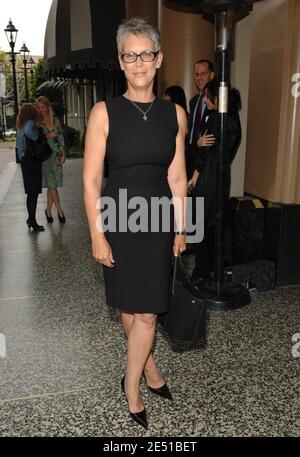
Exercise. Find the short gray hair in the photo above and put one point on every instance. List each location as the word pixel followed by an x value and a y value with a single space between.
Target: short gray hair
pixel 138 26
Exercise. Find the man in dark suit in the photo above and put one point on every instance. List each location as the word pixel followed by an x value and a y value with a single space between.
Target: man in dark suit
pixel 203 72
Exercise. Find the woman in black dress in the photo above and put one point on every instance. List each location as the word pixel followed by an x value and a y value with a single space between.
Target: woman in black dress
pixel 31 170
pixel 142 137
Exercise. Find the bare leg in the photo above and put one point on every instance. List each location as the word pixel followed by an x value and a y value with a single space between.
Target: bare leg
pixel 49 202
pixel 152 374
pixel 55 198
pixel 140 341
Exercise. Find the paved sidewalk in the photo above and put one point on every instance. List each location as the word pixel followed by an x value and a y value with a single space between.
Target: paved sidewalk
pixel 7 154
pixel 64 352
pixel 7 145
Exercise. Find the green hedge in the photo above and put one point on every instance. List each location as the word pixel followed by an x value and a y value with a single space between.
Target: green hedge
pixel 73 141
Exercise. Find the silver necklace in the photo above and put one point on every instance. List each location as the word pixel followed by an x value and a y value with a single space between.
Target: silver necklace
pixel 145 117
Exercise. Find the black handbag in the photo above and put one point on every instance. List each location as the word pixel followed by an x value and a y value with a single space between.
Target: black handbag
pixel 39 150
pixel 186 318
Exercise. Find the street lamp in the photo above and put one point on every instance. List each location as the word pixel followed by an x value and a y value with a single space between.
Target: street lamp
pixel 24 51
pixel 31 61
pixel 11 34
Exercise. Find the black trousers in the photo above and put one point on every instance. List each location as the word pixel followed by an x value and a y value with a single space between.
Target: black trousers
pixel 31 203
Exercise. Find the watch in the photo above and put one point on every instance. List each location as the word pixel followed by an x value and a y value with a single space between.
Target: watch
pixel 181 232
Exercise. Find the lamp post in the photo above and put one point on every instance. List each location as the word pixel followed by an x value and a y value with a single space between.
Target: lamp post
pixel 2 95
pixel 30 63
pixel 11 34
pixel 224 14
pixel 24 51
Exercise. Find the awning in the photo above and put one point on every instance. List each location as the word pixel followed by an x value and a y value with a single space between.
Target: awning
pixel 53 85
pixel 81 34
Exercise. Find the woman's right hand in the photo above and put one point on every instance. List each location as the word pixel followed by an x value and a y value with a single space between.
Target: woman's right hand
pixel 192 181
pixel 102 251
pixel 206 141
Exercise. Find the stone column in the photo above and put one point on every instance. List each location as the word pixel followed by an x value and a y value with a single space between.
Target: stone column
pixel 240 68
pixel 273 137
pixel 288 168
pixel 186 38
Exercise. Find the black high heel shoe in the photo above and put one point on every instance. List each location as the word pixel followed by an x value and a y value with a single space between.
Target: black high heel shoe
pixel 49 218
pixel 34 227
pixel 140 417
pixel 62 218
pixel 162 391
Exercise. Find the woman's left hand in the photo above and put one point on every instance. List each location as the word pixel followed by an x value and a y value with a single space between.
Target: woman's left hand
pixel 62 158
pixel 206 140
pixel 179 244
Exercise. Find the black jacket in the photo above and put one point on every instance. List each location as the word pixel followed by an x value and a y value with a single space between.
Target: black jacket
pixel 206 163
pixel 193 103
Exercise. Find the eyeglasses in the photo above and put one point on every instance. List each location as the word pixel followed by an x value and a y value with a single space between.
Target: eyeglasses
pixel 145 56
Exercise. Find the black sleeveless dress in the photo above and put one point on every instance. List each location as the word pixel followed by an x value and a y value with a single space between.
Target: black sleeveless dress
pixel 139 153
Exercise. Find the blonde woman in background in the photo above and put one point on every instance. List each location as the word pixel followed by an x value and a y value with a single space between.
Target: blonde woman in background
pixel 52 171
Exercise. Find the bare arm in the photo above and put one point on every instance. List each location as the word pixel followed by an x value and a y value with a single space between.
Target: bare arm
pixel 60 136
pixel 178 181
pixel 61 142
pixel 94 153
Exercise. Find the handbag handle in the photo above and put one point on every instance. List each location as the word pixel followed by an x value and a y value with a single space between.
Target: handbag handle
pixel 183 269
pixel 174 276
